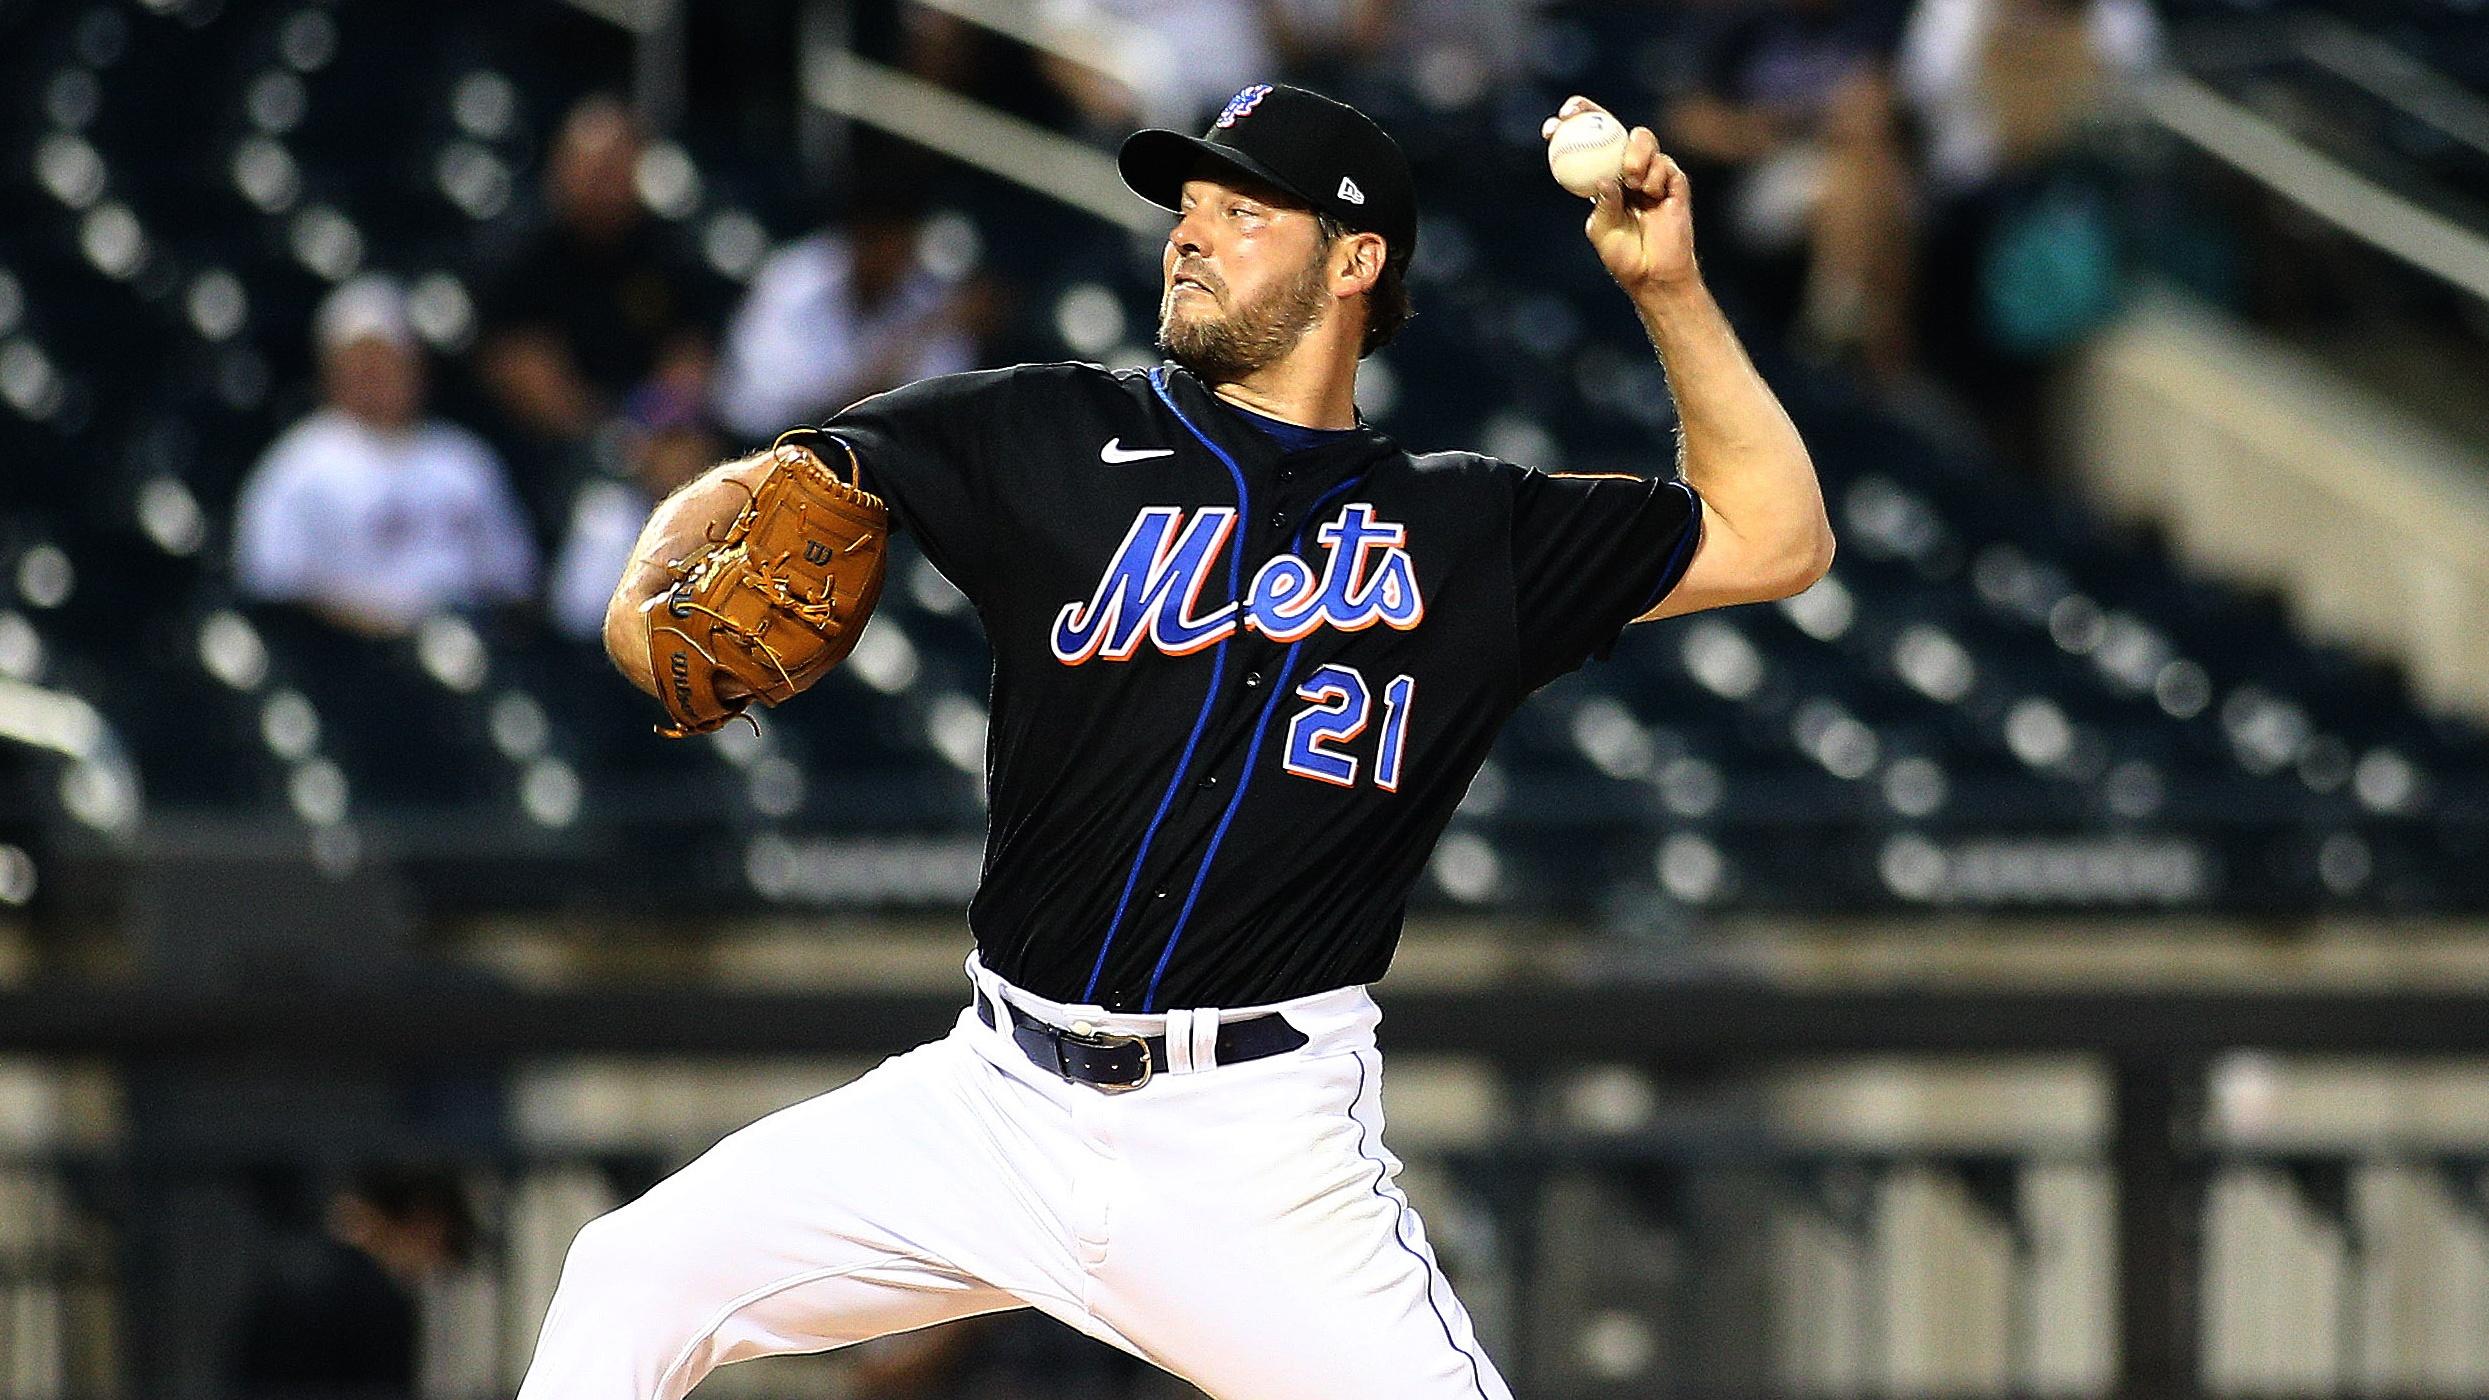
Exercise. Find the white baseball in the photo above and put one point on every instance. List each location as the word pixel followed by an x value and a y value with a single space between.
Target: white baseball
pixel 1586 150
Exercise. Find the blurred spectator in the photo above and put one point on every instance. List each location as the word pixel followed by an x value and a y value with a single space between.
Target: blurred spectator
pixel 673 446
pixel 964 57
pixel 842 314
pixel 1792 124
pixel 2006 85
pixel 2023 254
pixel 340 1315
pixel 1121 63
pixel 600 301
pixel 1173 62
pixel 1323 43
pixel 1453 52
pixel 367 513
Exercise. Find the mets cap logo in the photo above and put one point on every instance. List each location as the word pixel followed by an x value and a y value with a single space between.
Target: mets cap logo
pixel 1242 104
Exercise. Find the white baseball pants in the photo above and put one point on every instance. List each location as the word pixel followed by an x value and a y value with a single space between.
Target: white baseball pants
pixel 1238 1225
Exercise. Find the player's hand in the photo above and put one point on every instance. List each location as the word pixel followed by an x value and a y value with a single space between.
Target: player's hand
pixel 1641 224
pixel 679 528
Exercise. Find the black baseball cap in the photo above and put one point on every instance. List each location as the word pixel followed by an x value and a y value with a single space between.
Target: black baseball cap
pixel 1326 153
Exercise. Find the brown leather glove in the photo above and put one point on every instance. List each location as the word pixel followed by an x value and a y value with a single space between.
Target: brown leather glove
pixel 773 603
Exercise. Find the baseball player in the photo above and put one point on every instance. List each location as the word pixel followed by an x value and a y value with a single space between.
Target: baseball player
pixel 1248 653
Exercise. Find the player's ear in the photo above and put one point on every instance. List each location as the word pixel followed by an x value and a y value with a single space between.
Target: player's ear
pixel 1357 263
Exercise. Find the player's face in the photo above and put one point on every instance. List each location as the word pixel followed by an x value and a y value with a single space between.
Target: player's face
pixel 1245 278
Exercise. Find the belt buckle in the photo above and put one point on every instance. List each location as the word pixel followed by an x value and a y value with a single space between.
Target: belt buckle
pixel 1095 1039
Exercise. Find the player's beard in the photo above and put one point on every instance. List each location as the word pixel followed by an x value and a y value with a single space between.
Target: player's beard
pixel 1222 349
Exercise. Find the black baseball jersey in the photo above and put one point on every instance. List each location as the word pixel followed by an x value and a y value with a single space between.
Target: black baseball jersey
pixel 1238 691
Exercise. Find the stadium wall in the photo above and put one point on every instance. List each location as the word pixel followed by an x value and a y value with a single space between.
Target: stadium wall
pixel 2266 468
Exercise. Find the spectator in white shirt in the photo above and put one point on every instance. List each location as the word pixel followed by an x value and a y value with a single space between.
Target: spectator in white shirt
pixel 2005 85
pixel 671 444
pixel 367 513
pixel 839 315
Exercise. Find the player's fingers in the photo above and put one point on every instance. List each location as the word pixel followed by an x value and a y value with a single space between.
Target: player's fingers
pixel 1607 207
pixel 1576 105
pixel 1641 160
pixel 1641 150
pixel 1547 128
pixel 1667 179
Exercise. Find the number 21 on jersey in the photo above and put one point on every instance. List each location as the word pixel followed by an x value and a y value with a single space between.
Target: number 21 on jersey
pixel 1341 706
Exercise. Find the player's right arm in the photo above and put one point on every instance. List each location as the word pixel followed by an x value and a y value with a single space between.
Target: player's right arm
pixel 1764 531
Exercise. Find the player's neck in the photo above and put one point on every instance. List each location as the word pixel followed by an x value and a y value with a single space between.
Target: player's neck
pixel 1310 387
pixel 1313 386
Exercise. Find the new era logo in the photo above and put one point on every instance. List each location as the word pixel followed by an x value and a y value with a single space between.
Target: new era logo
pixel 1350 192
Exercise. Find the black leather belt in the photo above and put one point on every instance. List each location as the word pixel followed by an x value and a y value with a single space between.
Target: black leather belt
pixel 1119 1064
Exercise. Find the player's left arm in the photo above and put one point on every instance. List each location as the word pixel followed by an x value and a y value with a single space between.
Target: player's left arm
pixel 1764 531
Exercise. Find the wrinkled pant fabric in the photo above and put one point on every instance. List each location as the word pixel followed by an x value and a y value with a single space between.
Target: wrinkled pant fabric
pixel 1240 1226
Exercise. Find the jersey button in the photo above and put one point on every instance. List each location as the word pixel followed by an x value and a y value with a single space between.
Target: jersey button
pixel 1287 473
pixel 1209 781
pixel 1252 679
pixel 1279 520
pixel 1158 893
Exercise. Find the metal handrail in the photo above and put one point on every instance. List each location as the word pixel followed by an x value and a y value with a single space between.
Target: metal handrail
pixel 2266 152
pixel 854 87
pixel 2395 78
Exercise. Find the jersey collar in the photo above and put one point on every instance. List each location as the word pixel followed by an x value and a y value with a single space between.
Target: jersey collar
pixel 1255 451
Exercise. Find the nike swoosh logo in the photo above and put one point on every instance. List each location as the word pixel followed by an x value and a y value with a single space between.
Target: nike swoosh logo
pixel 1115 451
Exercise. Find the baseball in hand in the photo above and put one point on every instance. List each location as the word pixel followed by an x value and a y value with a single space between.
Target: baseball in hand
pixel 1586 151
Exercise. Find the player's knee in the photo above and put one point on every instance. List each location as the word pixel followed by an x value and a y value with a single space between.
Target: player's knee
pixel 622 1253
pixel 628 1311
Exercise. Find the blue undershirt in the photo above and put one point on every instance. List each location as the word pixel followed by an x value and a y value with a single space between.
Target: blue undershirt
pixel 1289 436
